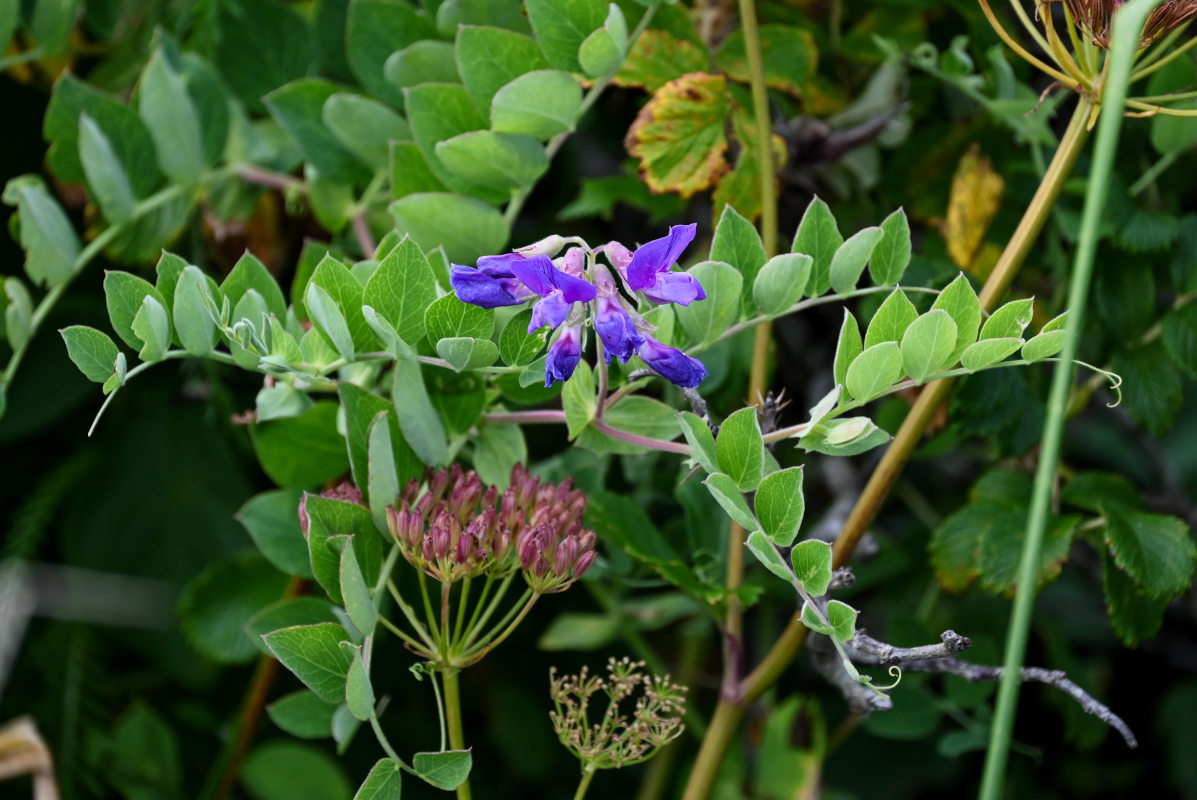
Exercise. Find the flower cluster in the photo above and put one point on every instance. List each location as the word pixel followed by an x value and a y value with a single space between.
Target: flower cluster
pixel 458 529
pixel 573 287
pixel 616 740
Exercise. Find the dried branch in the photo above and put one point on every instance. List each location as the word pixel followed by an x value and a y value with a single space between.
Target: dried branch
pixel 861 699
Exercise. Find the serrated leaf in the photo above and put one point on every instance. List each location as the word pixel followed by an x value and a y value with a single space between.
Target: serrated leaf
pixel 850 258
pixel 1156 550
pixel 781 282
pixel 892 254
pixel 540 104
pixel 927 344
pixel 730 498
pixel 92 351
pixel 1135 616
pixel 780 505
pixel 875 370
pixel 759 545
pixel 1154 389
pixel 1179 335
pixel 961 302
pixel 741 449
pixel 705 320
pixel 658 57
pixel 812 565
pixel 891 319
pixel 446 770
pixel 988 352
pixel 678 136
pixel 1009 321
pixel 702 442
pixel 788 52
pixel 819 237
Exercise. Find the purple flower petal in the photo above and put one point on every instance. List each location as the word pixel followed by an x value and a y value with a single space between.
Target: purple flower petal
pixel 658 255
pixel 551 311
pixel 672 364
pixel 675 287
pixel 476 287
pixel 536 273
pixel 575 290
pixel 563 357
pixel 616 330
pixel 499 266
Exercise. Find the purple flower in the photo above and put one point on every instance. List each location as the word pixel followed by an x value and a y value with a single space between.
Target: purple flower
pixel 558 289
pixel 672 364
pixel 616 329
pixel 563 357
pixel 648 270
pixel 491 285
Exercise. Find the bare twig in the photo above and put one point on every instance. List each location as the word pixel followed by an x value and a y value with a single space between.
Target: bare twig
pixel 864 649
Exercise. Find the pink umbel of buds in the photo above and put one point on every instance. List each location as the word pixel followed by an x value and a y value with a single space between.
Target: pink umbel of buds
pixel 457 528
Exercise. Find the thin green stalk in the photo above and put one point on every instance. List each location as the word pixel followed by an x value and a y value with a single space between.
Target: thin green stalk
pixel 453 715
pixel 588 771
pixel 440 710
pixel 1155 170
pixel 21 58
pixel 1128 23
pixel 477 625
pixel 462 597
pixel 1149 68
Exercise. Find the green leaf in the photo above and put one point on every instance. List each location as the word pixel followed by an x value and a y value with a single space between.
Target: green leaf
pixel 18 318
pixel 384 782
pixel 193 324
pixel 891 319
pixel 501 160
pixel 875 370
pixel 1135 616
pixel 287 613
pixel 47 237
pixel 658 57
pixel 152 326
pixel 374 31
pixel 382 476
pixel 284 770
pixel 364 127
pixel 463 352
pixel 1043 345
pixel 449 317
pixel 578 399
pixel 731 499
pixel 105 173
pixel 741 449
pixel 539 104
pixel 425 61
pixel 9 17
pixel 1000 548
pixel 250 69
pixel 562 25
pixel 848 263
pixel 892 254
pixel 737 242
pixel 418 420
pixel 314 654
pixel 1180 337
pixel 844 437
pixel 961 302
pixel 702 442
pixel 497 449
pixel 173 123
pixel 789 54
pixel 927 344
pixel 272 521
pixel 216 604
pixel 1173 134
pixel 91 350
pixel 843 620
pixel 760 546
pixel 705 320
pixel 330 321
pixel 346 293
pixel 299 108
pixel 518 347
pixel 361 407
pixel 580 632
pixel 819 237
pixel 1154 389
pixel 446 770
pixel 302 714
pixel 1009 321
pixel 489 58
pixel 402 289
pixel 301 451
pixel 123 294
pixel 780 505
pixel 781 282
pixel 1156 550
pixel 812 565
pixel 440 111
pixel 250 273
pixel 359 694
pixel 643 416
pixel 466 227
pixel 847 348
pixel 987 352
pixel 602 52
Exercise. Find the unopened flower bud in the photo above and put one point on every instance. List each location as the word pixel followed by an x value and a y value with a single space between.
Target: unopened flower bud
pixel 583 563
pixel 548 246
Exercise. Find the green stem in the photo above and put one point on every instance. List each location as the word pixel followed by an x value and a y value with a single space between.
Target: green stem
pixel 453 715
pixel 490 642
pixel 588 771
pixel 1128 22
pixel 477 624
pixel 21 58
pixel 1155 170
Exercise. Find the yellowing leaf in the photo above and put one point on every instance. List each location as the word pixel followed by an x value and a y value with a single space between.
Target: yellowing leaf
pixel 975 198
pixel 678 136
pixel 789 53
pixel 657 58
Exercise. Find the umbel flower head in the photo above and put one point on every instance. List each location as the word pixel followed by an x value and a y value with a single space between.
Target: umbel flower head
pixel 618 739
pixel 457 528
pixel 575 289
pixel 1094 17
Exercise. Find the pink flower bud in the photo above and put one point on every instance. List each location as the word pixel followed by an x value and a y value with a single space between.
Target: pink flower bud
pixel 584 562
